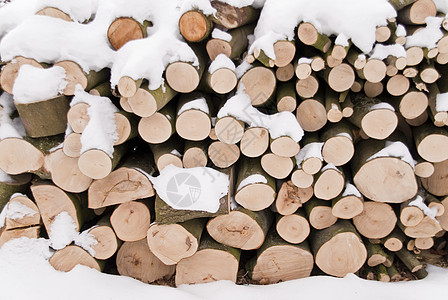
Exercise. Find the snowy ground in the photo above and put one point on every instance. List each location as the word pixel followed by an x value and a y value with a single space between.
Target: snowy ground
pixel 26 274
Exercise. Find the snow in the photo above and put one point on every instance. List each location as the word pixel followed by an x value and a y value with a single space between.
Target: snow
pixel 305 60
pixel 86 240
pixel 345 134
pixel 26 271
pixel 350 189
pixel 222 35
pixel 199 104
pixel 330 166
pixel 401 30
pixel 308 151
pixel 9 128
pixel 101 131
pixel 62 231
pixel 395 149
pixel 4 177
pixel 15 211
pixel 35 84
pixel 428 36
pixel 383 51
pixel 233 204
pixel 242 68
pixel 198 188
pixel 221 61
pixel 382 105
pixel 329 17
pixel 442 6
pixel 342 40
pixel 442 102
pixel 279 124
pixel 252 179
pixel 176 152
pixel 419 202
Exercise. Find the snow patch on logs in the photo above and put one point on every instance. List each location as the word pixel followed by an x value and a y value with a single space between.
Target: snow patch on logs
pixel 5 177
pixel 62 231
pixel 350 189
pixel 199 104
pixel 308 151
pixel 9 128
pixel 381 51
pixel 329 17
pixel 430 212
pixel 101 131
pixel 36 84
pixel 280 124
pixel 428 36
pixel 342 40
pixel 86 240
pixel 442 102
pixel 242 68
pixel 222 35
pixel 199 188
pixel 395 149
pixel 382 105
pixel 252 179
pixel 221 61
pixel 15 211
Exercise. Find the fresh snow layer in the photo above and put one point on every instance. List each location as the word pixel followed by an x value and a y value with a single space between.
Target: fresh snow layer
pixel 198 188
pixel 382 105
pixel 5 177
pixel 305 60
pixel 252 179
pixel 26 271
pixel 342 40
pixel 442 102
pixel 222 35
pixel 221 62
pixel 101 131
pixel 308 151
pixel 383 51
pixel 401 30
pixel 36 84
pixel 176 152
pixel 442 6
pixel 419 202
pixel 280 124
pixel 356 19
pixel 15 211
pixel 199 104
pixel 428 36
pixel 242 68
pixel 395 149
pixel 350 189
pixel 86 240
pixel 9 128
pixel 62 231
pixel 330 166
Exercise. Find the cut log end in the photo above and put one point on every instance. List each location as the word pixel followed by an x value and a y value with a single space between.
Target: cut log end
pixel 285 146
pixel 376 221
pixel 155 129
pixel 277 166
pixel 338 150
pixel 329 184
pixel 18 156
pixel 229 130
pixel 260 83
pixel 379 123
pixel 107 242
pixel 194 26
pixel 95 164
pixel 293 228
pixel 348 207
pixel 123 30
pixel 74 75
pixel 127 87
pixel 131 221
pixel 255 141
pixel 341 78
pixel 256 196
pixel 66 259
pixel 223 81
pixel 182 77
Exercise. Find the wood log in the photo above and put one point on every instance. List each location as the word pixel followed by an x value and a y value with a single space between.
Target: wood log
pixel 338 147
pixel 376 221
pixel 338 250
pixel 308 87
pixel 107 242
pixel 291 197
pixel 134 259
pixel 256 189
pixel 414 56
pixel 75 75
pixel 410 215
pixel 212 262
pixel 127 86
pixel 356 59
pixel 375 254
pixel 167 153
pixel 102 90
pixel 131 220
pixel 319 213
pixel 309 35
pixel 277 166
pixel 28 232
pixel 260 84
pixel 221 81
pixel 373 90
pixel 241 228
pixel 127 183
pixel 54 13
pixel 347 106
pixel 223 155
pixel 334 111
pixel 347 206
pixel 158 127
pixel 409 260
pixel 301 179
pixel 285 73
pixel 195 26
pixel 340 78
pixel 124 29
pixel 382 274
pixel 183 77
pixel 11 70
pixel 284 146
pixel 424 243
pixel 382 34
pixel 428 72
pixel 293 228
pixel 11 185
pixel 97 164
pixel 278 260
pixel 195 154
pixel 27 155
pixel 29 217
pixel 430 142
pixel 255 141
pixel 284 52
pixel 127 124
pixel 400 4
pixel 233 48
pixel 311 114
pixel 66 259
pixel 66 174
pixel 146 102
pixel 397 85
pixel 417 12
pixel 303 69
pixel 328 183
pixel 72 145
pixel 310 158
pixel 233 17
pixel 395 240
pixel 44 118
pixel 229 130
pixel 173 242
pixel 286 97
pixel 423 168
pixel 428 227
pixel 413 104
pixel 78 117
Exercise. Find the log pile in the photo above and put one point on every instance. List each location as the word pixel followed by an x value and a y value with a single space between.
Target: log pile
pixel 363 191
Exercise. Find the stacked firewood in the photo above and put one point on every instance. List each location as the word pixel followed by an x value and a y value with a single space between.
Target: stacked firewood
pixel 362 191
